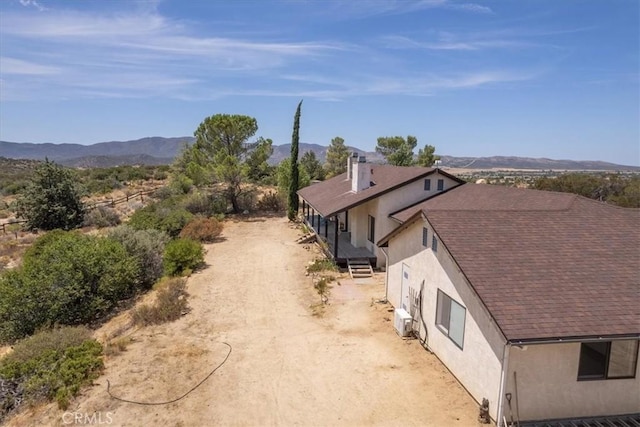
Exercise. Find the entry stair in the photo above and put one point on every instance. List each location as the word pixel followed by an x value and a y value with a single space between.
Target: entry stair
pixel 307 238
pixel 359 268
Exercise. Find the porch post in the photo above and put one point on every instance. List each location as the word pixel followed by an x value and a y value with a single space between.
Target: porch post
pixel 313 218
pixel 335 239
pixel 346 221
pixel 326 227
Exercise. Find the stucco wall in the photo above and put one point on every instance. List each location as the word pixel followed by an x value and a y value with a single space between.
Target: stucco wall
pixel 382 206
pixel 359 223
pixel 404 197
pixel 548 388
pixel 478 364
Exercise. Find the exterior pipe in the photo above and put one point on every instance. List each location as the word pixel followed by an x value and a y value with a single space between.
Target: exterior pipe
pixel 571 340
pixel 386 274
pixel 503 382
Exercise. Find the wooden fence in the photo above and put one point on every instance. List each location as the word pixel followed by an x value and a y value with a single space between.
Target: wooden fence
pixel 91 206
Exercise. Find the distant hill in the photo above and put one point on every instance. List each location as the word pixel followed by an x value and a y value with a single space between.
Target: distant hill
pixel 281 152
pixel 511 162
pixel 156 146
pixel 158 150
pixel 110 161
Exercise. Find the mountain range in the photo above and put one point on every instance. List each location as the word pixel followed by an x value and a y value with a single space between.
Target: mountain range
pixel 158 150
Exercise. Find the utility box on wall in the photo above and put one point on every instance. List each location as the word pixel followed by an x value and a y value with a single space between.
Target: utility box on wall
pixel 402 322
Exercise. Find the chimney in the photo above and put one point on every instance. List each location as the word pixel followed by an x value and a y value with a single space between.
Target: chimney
pixel 351 159
pixel 361 175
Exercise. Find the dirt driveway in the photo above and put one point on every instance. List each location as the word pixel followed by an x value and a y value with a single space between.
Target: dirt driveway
pixel 287 367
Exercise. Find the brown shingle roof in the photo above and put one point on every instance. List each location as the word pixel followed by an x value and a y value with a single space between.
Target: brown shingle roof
pixel 334 195
pixel 546 265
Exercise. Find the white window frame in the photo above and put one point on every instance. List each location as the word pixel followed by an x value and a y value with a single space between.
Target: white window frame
pixel 451 318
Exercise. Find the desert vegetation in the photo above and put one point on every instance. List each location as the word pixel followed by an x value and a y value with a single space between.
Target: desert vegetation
pixel 50 365
pixel 94 260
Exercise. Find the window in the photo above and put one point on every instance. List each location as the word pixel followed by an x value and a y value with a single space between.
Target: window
pixel 425 237
pixel 371 234
pixel 440 184
pixel 608 360
pixel 450 318
pixel 427 185
pixel 434 243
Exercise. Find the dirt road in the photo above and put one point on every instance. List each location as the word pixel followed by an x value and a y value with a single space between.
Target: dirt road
pixel 287 367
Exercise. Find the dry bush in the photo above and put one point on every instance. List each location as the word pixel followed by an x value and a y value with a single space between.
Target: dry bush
pixel 116 345
pixel 272 201
pixel 101 217
pixel 170 304
pixel 202 229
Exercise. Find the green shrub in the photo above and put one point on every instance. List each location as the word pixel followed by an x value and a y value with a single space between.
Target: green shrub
pixel 181 184
pixel 164 216
pixel 146 247
pixel 66 278
pixel 202 229
pixel 145 219
pixel 323 264
pixel 181 256
pixel 174 221
pixel 49 365
pixel 52 199
pixel 101 217
pixel 170 304
pixel 163 193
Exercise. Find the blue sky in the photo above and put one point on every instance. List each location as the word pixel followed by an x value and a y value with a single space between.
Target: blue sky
pixel 536 78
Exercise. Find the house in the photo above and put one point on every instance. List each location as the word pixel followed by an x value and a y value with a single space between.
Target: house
pixel 530 298
pixel 351 211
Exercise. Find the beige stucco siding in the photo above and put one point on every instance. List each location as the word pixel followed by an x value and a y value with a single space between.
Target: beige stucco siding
pixel 478 364
pixel 547 385
pixel 406 196
pixel 359 222
pixel 382 206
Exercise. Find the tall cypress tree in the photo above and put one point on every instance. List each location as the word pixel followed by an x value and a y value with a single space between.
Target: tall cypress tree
pixel 293 184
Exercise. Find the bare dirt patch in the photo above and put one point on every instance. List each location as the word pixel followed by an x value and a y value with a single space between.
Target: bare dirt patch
pixel 287 366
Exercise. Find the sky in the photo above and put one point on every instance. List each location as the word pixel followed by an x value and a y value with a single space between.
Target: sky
pixel 532 78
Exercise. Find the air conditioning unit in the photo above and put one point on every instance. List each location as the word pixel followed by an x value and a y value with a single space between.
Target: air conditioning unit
pixel 402 322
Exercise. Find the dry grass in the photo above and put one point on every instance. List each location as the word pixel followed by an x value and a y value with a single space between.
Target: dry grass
pixel 170 304
pixel 117 345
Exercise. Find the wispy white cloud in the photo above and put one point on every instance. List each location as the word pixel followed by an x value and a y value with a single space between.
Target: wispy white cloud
pixel 449 41
pixel 33 3
pixel 411 85
pixel 135 48
pixel 18 66
pixel 366 8
pixel 141 53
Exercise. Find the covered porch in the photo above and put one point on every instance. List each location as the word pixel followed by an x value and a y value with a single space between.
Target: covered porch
pixel 335 243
